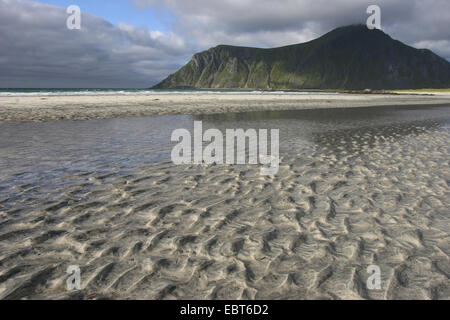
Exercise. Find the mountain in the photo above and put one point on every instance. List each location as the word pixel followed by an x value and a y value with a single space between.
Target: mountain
pixel 351 57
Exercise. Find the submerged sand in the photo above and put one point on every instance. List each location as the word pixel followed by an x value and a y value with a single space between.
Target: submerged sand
pixel 348 201
pixel 51 108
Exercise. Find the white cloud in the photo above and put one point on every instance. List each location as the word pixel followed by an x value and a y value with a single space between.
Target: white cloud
pixel 274 23
pixel 36 45
pixel 38 49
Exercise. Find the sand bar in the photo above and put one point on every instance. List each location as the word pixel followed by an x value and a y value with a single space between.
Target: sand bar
pixel 51 108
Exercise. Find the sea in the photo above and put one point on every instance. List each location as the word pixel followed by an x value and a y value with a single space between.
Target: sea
pixel 126 92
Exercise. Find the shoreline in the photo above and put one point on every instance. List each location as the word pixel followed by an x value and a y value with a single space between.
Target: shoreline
pixel 54 108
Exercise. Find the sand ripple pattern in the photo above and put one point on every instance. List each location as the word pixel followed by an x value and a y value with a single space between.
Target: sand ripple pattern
pixel 347 201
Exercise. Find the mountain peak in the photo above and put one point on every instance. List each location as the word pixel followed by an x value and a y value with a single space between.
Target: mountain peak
pixel 356 32
pixel 349 57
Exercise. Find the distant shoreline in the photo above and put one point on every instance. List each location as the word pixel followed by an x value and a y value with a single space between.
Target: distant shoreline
pixel 15 109
pixel 44 92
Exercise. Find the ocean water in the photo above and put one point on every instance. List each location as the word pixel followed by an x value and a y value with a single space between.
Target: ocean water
pixel 125 92
pixel 356 187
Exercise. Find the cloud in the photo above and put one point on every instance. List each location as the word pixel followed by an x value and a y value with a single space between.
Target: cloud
pixel 274 23
pixel 39 51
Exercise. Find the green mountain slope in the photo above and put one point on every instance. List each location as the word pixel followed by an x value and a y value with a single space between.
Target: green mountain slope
pixel 352 57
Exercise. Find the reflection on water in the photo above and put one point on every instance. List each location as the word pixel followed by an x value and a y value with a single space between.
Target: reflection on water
pixel 340 115
pixel 337 127
pixel 40 154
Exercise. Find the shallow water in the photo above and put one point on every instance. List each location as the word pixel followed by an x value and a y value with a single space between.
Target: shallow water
pixel 356 187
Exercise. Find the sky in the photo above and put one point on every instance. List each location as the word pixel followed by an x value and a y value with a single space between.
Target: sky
pixel 115 11
pixel 137 43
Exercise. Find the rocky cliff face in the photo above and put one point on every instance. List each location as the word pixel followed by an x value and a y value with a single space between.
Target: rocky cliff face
pixel 352 57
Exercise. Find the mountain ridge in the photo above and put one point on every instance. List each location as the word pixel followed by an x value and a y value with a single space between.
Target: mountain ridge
pixel 349 58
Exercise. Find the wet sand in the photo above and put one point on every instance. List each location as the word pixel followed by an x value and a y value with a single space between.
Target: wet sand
pixel 51 108
pixel 344 199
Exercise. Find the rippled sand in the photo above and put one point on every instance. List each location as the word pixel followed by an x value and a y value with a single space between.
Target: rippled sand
pixel 352 199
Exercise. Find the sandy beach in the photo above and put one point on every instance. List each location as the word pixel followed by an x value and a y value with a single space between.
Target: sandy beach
pixel 51 108
pixel 356 187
